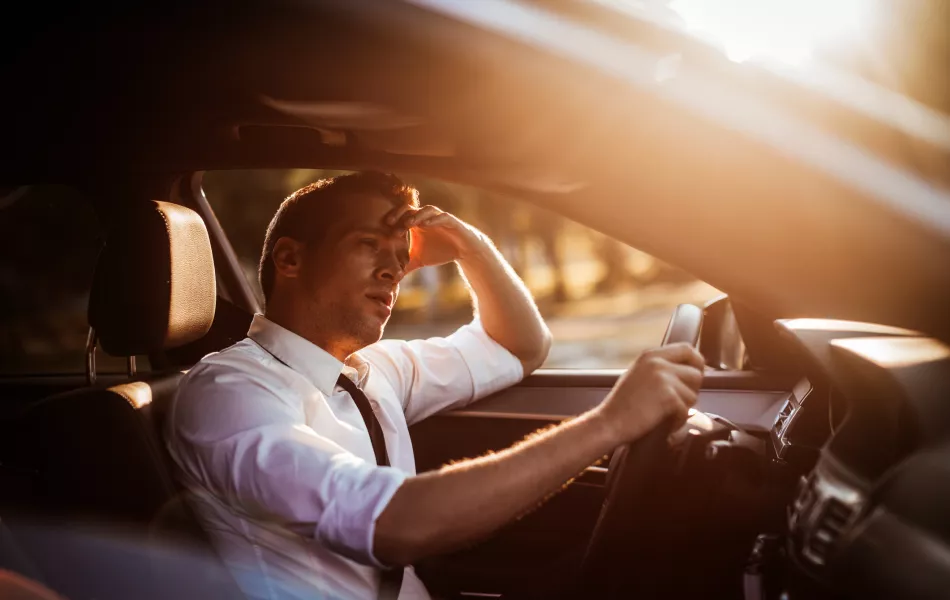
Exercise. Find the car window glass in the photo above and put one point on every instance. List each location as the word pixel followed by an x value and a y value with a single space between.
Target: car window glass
pixel 49 241
pixel 604 301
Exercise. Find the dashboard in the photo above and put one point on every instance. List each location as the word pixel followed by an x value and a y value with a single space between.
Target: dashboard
pixel 844 463
pixel 869 431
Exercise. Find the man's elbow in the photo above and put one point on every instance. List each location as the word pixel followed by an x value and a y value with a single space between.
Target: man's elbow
pixel 396 555
pixel 534 357
pixel 401 546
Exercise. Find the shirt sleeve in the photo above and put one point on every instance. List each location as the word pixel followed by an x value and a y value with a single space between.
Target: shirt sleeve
pixel 437 374
pixel 235 436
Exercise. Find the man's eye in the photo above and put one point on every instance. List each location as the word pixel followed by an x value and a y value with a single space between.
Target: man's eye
pixel 369 242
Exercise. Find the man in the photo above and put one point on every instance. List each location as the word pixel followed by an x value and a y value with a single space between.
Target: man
pixel 283 468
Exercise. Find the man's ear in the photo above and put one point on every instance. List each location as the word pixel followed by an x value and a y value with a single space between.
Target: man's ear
pixel 287 256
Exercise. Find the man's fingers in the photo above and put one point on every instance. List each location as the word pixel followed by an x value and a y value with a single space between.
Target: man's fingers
pixel 413 219
pixel 688 374
pixel 406 220
pixel 397 213
pixel 681 353
pixel 687 395
pixel 678 413
pixel 439 219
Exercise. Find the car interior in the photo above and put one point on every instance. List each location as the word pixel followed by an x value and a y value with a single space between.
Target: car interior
pixel 814 466
pixel 772 474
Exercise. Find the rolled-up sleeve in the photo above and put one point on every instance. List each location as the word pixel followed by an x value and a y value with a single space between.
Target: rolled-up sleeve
pixel 437 374
pixel 240 440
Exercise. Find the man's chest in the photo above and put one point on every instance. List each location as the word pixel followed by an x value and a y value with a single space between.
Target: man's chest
pixel 337 419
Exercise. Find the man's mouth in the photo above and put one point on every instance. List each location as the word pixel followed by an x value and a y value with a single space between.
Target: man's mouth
pixel 385 299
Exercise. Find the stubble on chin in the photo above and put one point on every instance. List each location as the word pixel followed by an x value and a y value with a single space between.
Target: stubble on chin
pixel 363 329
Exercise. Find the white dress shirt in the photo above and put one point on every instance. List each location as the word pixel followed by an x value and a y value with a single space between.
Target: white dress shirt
pixel 278 462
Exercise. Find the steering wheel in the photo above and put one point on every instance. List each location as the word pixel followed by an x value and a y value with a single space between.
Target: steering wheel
pixel 630 553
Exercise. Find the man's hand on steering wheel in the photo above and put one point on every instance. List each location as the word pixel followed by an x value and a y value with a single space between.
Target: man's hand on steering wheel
pixel 660 387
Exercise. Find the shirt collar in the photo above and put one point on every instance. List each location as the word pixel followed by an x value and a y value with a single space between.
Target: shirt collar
pixel 298 353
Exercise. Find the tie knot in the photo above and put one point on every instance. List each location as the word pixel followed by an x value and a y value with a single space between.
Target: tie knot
pixel 346 383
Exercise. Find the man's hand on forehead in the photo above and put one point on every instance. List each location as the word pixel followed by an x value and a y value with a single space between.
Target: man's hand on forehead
pixel 404 218
pixel 437 236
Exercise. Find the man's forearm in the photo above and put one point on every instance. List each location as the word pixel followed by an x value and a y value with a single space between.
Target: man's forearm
pixel 507 311
pixel 443 510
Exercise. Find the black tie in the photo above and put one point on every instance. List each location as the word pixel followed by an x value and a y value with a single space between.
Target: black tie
pixel 392 578
pixel 369 419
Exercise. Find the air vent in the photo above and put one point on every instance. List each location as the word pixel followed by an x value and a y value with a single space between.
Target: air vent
pixel 826 506
pixel 783 416
pixel 806 495
pixel 833 517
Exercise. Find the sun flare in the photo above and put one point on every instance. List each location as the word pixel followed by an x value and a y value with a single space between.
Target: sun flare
pixel 785 30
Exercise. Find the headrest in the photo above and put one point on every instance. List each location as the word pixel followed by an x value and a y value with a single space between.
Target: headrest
pixel 154 286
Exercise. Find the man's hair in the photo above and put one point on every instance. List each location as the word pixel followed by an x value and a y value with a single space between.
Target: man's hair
pixel 307 214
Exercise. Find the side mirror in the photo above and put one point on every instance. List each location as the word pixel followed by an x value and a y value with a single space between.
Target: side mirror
pixel 721 343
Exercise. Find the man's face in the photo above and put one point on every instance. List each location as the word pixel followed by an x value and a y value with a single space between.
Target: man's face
pixel 351 277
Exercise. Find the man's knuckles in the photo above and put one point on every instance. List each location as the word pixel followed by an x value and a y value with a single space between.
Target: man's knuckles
pixel 680 415
pixel 651 364
pixel 671 397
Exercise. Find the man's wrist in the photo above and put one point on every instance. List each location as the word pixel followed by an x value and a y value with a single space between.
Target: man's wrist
pixel 604 428
pixel 477 248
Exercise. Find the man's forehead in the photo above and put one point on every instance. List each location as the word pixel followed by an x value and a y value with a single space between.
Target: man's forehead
pixel 367 207
pixel 366 212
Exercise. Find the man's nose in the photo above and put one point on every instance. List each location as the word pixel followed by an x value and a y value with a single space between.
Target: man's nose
pixel 390 269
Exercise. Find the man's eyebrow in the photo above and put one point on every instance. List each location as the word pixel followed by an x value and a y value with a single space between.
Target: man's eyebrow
pixel 385 232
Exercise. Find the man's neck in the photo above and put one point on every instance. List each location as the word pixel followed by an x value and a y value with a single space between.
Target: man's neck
pixel 306 326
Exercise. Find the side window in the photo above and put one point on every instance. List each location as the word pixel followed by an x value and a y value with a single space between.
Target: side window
pixel 49 241
pixel 604 301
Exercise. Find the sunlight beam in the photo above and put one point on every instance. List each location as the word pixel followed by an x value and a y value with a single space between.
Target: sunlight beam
pixel 784 30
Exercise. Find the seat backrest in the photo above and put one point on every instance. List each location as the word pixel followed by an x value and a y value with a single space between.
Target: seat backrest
pixel 96 454
pixel 95 450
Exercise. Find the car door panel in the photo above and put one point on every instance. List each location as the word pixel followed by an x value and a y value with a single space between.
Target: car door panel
pixel 549 396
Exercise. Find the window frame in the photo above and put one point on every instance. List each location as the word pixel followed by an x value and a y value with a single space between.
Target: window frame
pixel 231 282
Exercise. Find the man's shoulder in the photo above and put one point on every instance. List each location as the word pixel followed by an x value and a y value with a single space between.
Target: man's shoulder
pixel 241 350
pixel 236 380
pixel 390 356
pixel 239 363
